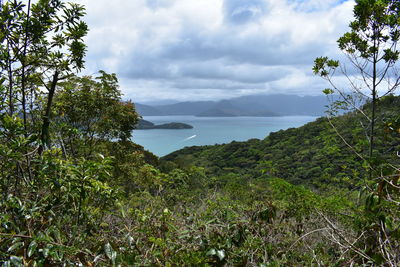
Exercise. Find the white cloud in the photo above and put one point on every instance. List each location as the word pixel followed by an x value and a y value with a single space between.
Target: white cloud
pixel 213 48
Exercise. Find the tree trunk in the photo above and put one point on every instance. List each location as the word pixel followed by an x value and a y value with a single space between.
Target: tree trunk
pixel 45 136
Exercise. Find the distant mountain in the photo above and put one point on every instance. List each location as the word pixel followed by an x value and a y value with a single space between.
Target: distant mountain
pixel 146 110
pixel 225 108
pixel 222 108
pixel 186 108
pixel 255 105
pixel 284 104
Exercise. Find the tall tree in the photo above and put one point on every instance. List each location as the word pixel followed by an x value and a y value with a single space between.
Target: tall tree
pixel 371 48
pixel 41 44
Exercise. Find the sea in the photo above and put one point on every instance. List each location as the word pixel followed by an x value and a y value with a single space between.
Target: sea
pixel 210 131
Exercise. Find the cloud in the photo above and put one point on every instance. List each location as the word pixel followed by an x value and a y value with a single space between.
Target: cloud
pixel 156 4
pixel 314 5
pixel 242 11
pixel 212 49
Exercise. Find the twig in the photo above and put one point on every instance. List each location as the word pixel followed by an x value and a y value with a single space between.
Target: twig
pixel 309 233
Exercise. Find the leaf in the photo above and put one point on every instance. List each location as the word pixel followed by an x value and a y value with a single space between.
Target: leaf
pixel 15 246
pixel 113 257
pixel 97 258
pixel 211 252
pixel 108 250
pixel 218 253
pixel 46 252
pixel 110 253
pixel 16 261
pixel 130 241
pixel 32 248
pixel 221 254
pixel 328 91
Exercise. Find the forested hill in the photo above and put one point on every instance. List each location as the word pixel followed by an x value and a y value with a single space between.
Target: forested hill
pixel 313 154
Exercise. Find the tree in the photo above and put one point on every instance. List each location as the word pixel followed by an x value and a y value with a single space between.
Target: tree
pixel 371 48
pixel 88 110
pixel 41 44
pixel 45 199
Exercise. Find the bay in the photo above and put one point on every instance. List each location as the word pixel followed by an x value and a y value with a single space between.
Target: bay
pixel 210 131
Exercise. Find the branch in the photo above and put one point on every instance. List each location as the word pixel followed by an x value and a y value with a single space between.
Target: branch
pixel 347 144
pixel 351 245
pixel 347 101
pixel 307 234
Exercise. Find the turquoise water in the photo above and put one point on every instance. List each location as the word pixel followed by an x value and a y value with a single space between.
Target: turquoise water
pixel 211 130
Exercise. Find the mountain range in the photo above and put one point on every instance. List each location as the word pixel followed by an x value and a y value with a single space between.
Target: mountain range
pixel 255 105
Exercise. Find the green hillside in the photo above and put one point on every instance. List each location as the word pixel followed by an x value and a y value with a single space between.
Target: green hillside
pixel 311 155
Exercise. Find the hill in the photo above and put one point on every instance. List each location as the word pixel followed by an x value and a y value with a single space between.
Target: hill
pixel 147 125
pixel 311 155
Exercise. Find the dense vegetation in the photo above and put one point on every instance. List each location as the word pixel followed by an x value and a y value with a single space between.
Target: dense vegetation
pixel 312 155
pixel 75 190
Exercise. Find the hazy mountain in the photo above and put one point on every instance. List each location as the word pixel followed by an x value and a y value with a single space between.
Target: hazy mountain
pixel 225 108
pixel 284 104
pixel 146 110
pixel 222 108
pixel 186 108
pixel 256 105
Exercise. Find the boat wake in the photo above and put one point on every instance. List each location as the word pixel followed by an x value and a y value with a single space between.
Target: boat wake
pixel 190 137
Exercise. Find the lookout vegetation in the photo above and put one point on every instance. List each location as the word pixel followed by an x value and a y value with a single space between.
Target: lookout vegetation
pixel 75 190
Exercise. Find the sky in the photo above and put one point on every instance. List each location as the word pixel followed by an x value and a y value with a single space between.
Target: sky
pixel 189 50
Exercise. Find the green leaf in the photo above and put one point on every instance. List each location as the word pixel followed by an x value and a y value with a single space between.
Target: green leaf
pixel 16 261
pixel 211 252
pixel 108 250
pixel 15 246
pixel 221 254
pixel 97 258
pixel 113 257
pixel 328 91
pixel 46 252
pixel 32 248
pixel 131 241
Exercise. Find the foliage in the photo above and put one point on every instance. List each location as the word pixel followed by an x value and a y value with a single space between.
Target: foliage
pixel 45 220
pixel 92 197
pixel 41 44
pixel 315 156
pixel 371 47
pixel 89 110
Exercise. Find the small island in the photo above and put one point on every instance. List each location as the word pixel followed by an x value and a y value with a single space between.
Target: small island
pixel 147 125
